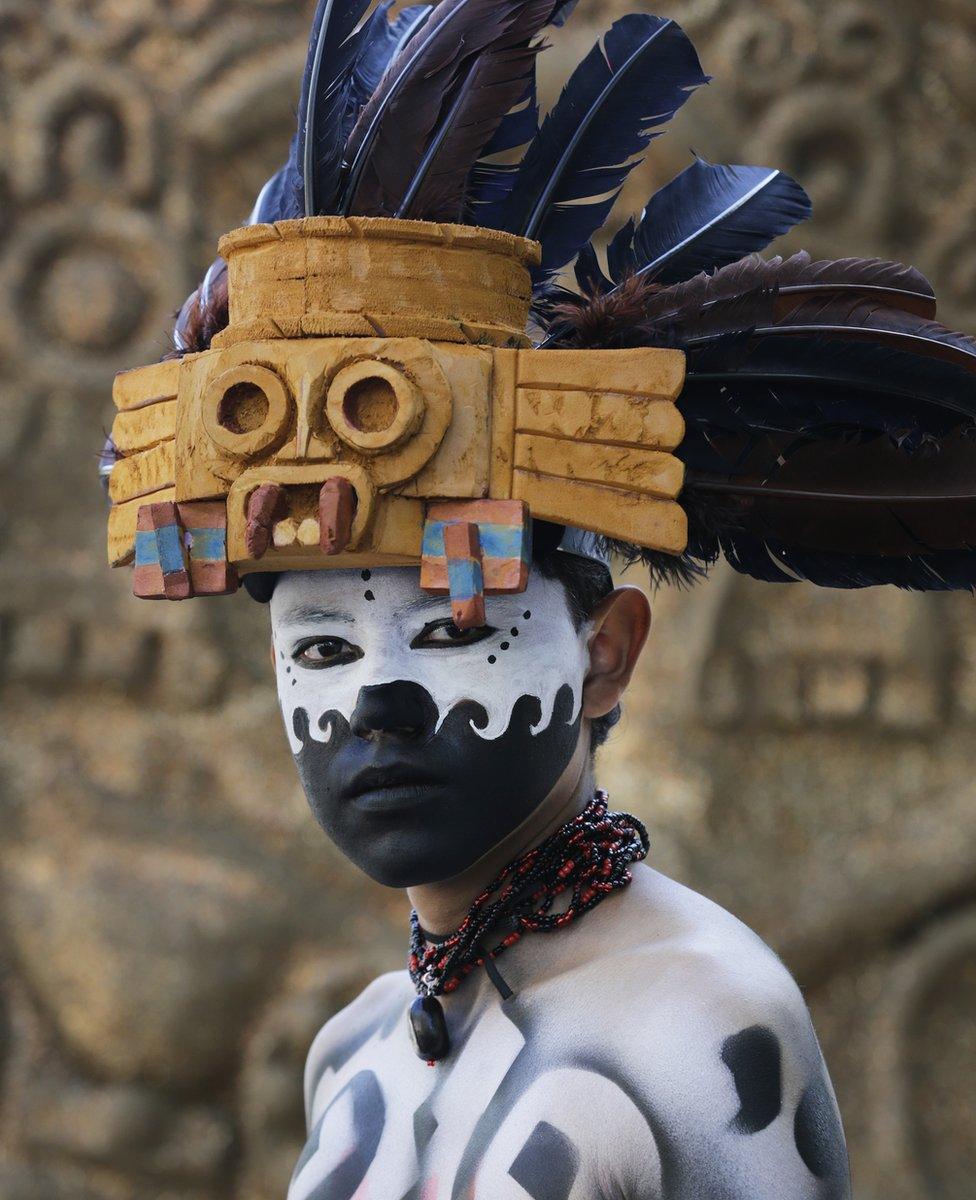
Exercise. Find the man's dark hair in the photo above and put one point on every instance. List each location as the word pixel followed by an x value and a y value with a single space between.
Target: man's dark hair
pixel 586 582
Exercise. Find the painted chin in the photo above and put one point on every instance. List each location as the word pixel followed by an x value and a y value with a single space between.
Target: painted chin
pixel 409 813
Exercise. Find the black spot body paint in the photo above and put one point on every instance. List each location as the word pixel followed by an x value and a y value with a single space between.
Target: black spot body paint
pixel 368 594
pixel 492 658
pixel 820 1139
pixel 547 1165
pixel 366 576
pixel 754 1058
pixel 504 646
pixel 527 615
pixel 514 631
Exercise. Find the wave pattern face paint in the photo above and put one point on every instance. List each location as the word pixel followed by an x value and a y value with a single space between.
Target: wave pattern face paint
pixel 418 749
pixel 535 652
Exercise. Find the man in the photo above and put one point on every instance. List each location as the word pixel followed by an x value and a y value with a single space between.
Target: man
pixel 655 1049
pixel 356 421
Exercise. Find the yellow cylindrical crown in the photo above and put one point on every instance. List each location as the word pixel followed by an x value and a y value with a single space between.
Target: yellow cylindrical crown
pixel 377 276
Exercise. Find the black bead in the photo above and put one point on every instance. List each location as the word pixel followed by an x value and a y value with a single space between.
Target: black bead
pixel 429 1028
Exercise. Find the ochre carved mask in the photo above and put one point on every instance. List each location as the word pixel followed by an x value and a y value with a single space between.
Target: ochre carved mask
pixel 375 401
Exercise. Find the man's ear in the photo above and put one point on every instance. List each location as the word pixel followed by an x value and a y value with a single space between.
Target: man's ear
pixel 620 624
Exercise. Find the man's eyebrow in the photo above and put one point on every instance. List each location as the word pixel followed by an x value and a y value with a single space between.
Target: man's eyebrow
pixel 426 600
pixel 311 614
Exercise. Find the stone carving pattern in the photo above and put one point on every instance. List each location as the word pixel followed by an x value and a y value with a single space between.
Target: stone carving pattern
pixel 174 929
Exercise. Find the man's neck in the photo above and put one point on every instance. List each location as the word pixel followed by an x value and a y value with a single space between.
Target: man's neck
pixel 442 906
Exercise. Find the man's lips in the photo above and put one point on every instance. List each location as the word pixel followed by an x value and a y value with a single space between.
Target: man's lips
pixel 398 785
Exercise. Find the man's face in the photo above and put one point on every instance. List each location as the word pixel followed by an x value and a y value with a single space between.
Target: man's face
pixel 419 747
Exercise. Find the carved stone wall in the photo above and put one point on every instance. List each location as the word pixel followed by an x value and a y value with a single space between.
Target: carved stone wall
pixel 173 928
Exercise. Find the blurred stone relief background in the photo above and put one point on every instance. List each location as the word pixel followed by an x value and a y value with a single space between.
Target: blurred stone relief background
pixel 173 927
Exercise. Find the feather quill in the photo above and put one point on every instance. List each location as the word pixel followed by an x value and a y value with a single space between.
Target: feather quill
pixel 615 101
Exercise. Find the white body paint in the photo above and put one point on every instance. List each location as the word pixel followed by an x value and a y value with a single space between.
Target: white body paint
pixel 611 1046
pixel 545 655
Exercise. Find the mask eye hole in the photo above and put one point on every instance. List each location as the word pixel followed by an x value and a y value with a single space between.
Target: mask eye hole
pixel 243 408
pixel 247 410
pixel 371 405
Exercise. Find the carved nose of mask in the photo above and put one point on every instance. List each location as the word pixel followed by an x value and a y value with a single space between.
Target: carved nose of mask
pixel 402 711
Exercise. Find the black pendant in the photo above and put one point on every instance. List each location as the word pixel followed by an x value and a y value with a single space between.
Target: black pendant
pixel 428 1028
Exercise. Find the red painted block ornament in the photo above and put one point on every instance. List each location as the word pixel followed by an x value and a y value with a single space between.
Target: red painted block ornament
pixel 473 549
pixel 181 551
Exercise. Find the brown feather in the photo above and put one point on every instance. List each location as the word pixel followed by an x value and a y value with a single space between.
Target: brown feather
pixel 200 324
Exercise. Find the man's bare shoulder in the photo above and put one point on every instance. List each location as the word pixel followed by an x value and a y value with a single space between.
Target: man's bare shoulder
pixel 377 1007
pixel 705 1029
pixel 670 943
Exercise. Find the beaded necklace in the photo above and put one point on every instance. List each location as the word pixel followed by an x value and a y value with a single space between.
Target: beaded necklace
pixel 590 854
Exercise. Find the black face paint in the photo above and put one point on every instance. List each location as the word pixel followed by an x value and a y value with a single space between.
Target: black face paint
pixel 420 747
pixel 411 806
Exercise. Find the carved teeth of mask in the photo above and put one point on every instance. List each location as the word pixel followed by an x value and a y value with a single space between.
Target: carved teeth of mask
pixel 285 533
pixel 308 532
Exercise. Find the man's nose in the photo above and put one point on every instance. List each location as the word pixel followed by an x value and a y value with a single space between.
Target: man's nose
pixel 401 710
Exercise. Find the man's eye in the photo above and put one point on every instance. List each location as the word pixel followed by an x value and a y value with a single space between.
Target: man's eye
pixel 326 652
pixel 440 634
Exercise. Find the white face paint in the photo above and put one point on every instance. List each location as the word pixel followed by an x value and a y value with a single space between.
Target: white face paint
pixel 533 650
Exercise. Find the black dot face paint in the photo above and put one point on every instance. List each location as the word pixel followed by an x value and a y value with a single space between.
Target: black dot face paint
pixel 368 595
pixel 418 754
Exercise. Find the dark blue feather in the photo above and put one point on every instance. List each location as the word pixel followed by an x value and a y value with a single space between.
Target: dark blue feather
pixel 282 197
pixel 494 174
pixel 614 103
pixel 380 40
pixel 589 273
pixel 710 216
pixel 562 12
pixel 322 109
pixel 620 251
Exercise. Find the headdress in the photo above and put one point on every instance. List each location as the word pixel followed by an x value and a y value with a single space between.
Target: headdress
pixel 384 365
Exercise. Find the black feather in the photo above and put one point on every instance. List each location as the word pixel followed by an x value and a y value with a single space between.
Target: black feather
pixel 616 100
pixel 326 88
pixel 494 173
pixel 707 217
pixel 382 39
pixel 395 128
pixel 495 81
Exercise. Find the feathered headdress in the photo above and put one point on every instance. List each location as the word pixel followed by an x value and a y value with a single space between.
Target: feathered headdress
pixel 808 420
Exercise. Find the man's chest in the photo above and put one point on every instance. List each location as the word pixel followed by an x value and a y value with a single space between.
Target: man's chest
pixel 496 1121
